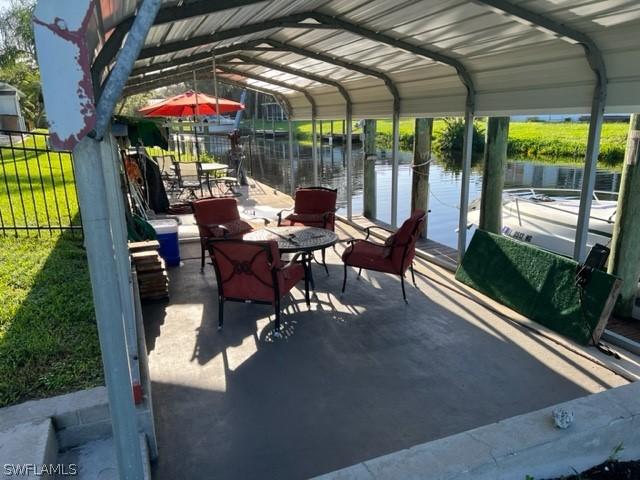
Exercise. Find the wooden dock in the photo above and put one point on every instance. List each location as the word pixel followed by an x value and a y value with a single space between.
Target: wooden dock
pixel 627 328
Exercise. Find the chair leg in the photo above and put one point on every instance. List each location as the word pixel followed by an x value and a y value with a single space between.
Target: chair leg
pixel 277 309
pixel 404 294
pixel 324 254
pixel 359 272
pixel 344 282
pixel 220 312
pixel 413 275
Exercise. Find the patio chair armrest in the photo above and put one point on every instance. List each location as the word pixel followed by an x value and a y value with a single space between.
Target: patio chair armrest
pixel 295 259
pixel 225 230
pixel 368 230
pixel 279 214
pixel 266 220
pixel 250 216
pixel 349 241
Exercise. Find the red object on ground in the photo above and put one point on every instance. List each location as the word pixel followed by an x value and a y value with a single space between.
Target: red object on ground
pixel 394 256
pixel 184 105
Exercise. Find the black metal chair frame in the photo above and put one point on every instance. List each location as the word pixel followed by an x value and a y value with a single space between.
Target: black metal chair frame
pixel 245 268
pixel 326 219
pixel 190 185
pixel 404 255
pixel 228 180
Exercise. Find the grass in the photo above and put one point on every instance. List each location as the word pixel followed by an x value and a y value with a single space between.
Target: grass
pixel 527 139
pixel 48 335
pixel 36 186
pixel 539 139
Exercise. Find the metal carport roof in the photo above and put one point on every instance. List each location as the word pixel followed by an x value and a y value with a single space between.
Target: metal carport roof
pixel 515 65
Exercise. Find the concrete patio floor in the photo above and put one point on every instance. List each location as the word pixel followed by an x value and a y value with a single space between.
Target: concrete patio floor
pixel 352 379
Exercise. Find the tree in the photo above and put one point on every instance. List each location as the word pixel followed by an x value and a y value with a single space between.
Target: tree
pixel 16 32
pixel 129 106
pixel 18 66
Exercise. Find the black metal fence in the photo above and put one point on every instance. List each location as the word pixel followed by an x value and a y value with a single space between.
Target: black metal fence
pixel 37 187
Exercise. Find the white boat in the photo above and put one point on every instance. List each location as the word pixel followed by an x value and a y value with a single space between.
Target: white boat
pixel 548 217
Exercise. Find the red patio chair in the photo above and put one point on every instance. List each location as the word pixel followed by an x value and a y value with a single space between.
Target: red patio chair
pixel 394 256
pixel 253 272
pixel 313 207
pixel 219 218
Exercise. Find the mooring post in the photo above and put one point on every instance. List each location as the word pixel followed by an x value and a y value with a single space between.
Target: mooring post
pixel 369 191
pixel 495 157
pixel 423 130
pixel 625 254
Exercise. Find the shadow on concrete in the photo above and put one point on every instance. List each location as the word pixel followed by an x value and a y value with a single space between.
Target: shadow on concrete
pixel 353 378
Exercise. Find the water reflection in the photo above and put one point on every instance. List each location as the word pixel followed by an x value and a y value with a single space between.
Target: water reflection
pixel 271 165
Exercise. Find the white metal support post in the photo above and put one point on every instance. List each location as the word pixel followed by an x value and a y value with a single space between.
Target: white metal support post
pixel 467 151
pixel 115 204
pixel 215 86
pixel 293 165
pixel 314 150
pixel 589 178
pixel 89 157
pixel 395 162
pixel 349 162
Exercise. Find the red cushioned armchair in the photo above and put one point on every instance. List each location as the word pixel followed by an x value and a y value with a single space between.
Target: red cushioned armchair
pixel 314 207
pixel 219 218
pixel 394 256
pixel 253 272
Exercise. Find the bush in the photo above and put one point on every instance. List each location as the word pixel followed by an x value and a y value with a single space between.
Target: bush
pixel 451 140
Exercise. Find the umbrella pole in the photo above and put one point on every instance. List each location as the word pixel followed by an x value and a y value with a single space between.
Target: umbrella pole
pixel 195 117
pixel 215 87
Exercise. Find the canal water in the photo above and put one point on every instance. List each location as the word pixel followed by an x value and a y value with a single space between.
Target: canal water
pixel 273 167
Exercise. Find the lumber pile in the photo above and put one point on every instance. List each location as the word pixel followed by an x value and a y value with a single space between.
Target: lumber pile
pixel 153 282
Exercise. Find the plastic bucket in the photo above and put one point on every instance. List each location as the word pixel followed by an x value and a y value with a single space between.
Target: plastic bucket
pixel 167 233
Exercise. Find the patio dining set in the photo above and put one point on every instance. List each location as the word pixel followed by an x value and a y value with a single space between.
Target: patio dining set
pixel 192 177
pixel 263 265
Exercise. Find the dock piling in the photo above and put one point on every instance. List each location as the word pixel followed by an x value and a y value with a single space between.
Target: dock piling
pixel 370 156
pixel 423 130
pixel 625 255
pixel 495 157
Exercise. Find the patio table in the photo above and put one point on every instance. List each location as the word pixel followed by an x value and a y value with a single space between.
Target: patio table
pixel 296 239
pixel 209 168
pixel 213 167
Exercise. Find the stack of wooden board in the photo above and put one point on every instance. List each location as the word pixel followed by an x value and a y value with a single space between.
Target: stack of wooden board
pixel 153 282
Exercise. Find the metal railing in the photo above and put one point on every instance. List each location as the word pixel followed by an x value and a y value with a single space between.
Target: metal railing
pixel 37 186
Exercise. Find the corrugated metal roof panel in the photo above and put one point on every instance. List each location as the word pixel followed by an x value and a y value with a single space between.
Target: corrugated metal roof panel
pixel 516 66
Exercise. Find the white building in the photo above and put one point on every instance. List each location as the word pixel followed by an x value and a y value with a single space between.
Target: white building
pixel 10 113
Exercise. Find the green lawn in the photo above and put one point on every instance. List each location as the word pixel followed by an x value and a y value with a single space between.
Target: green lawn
pixel 530 139
pixel 48 336
pixel 36 187
pixel 566 139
